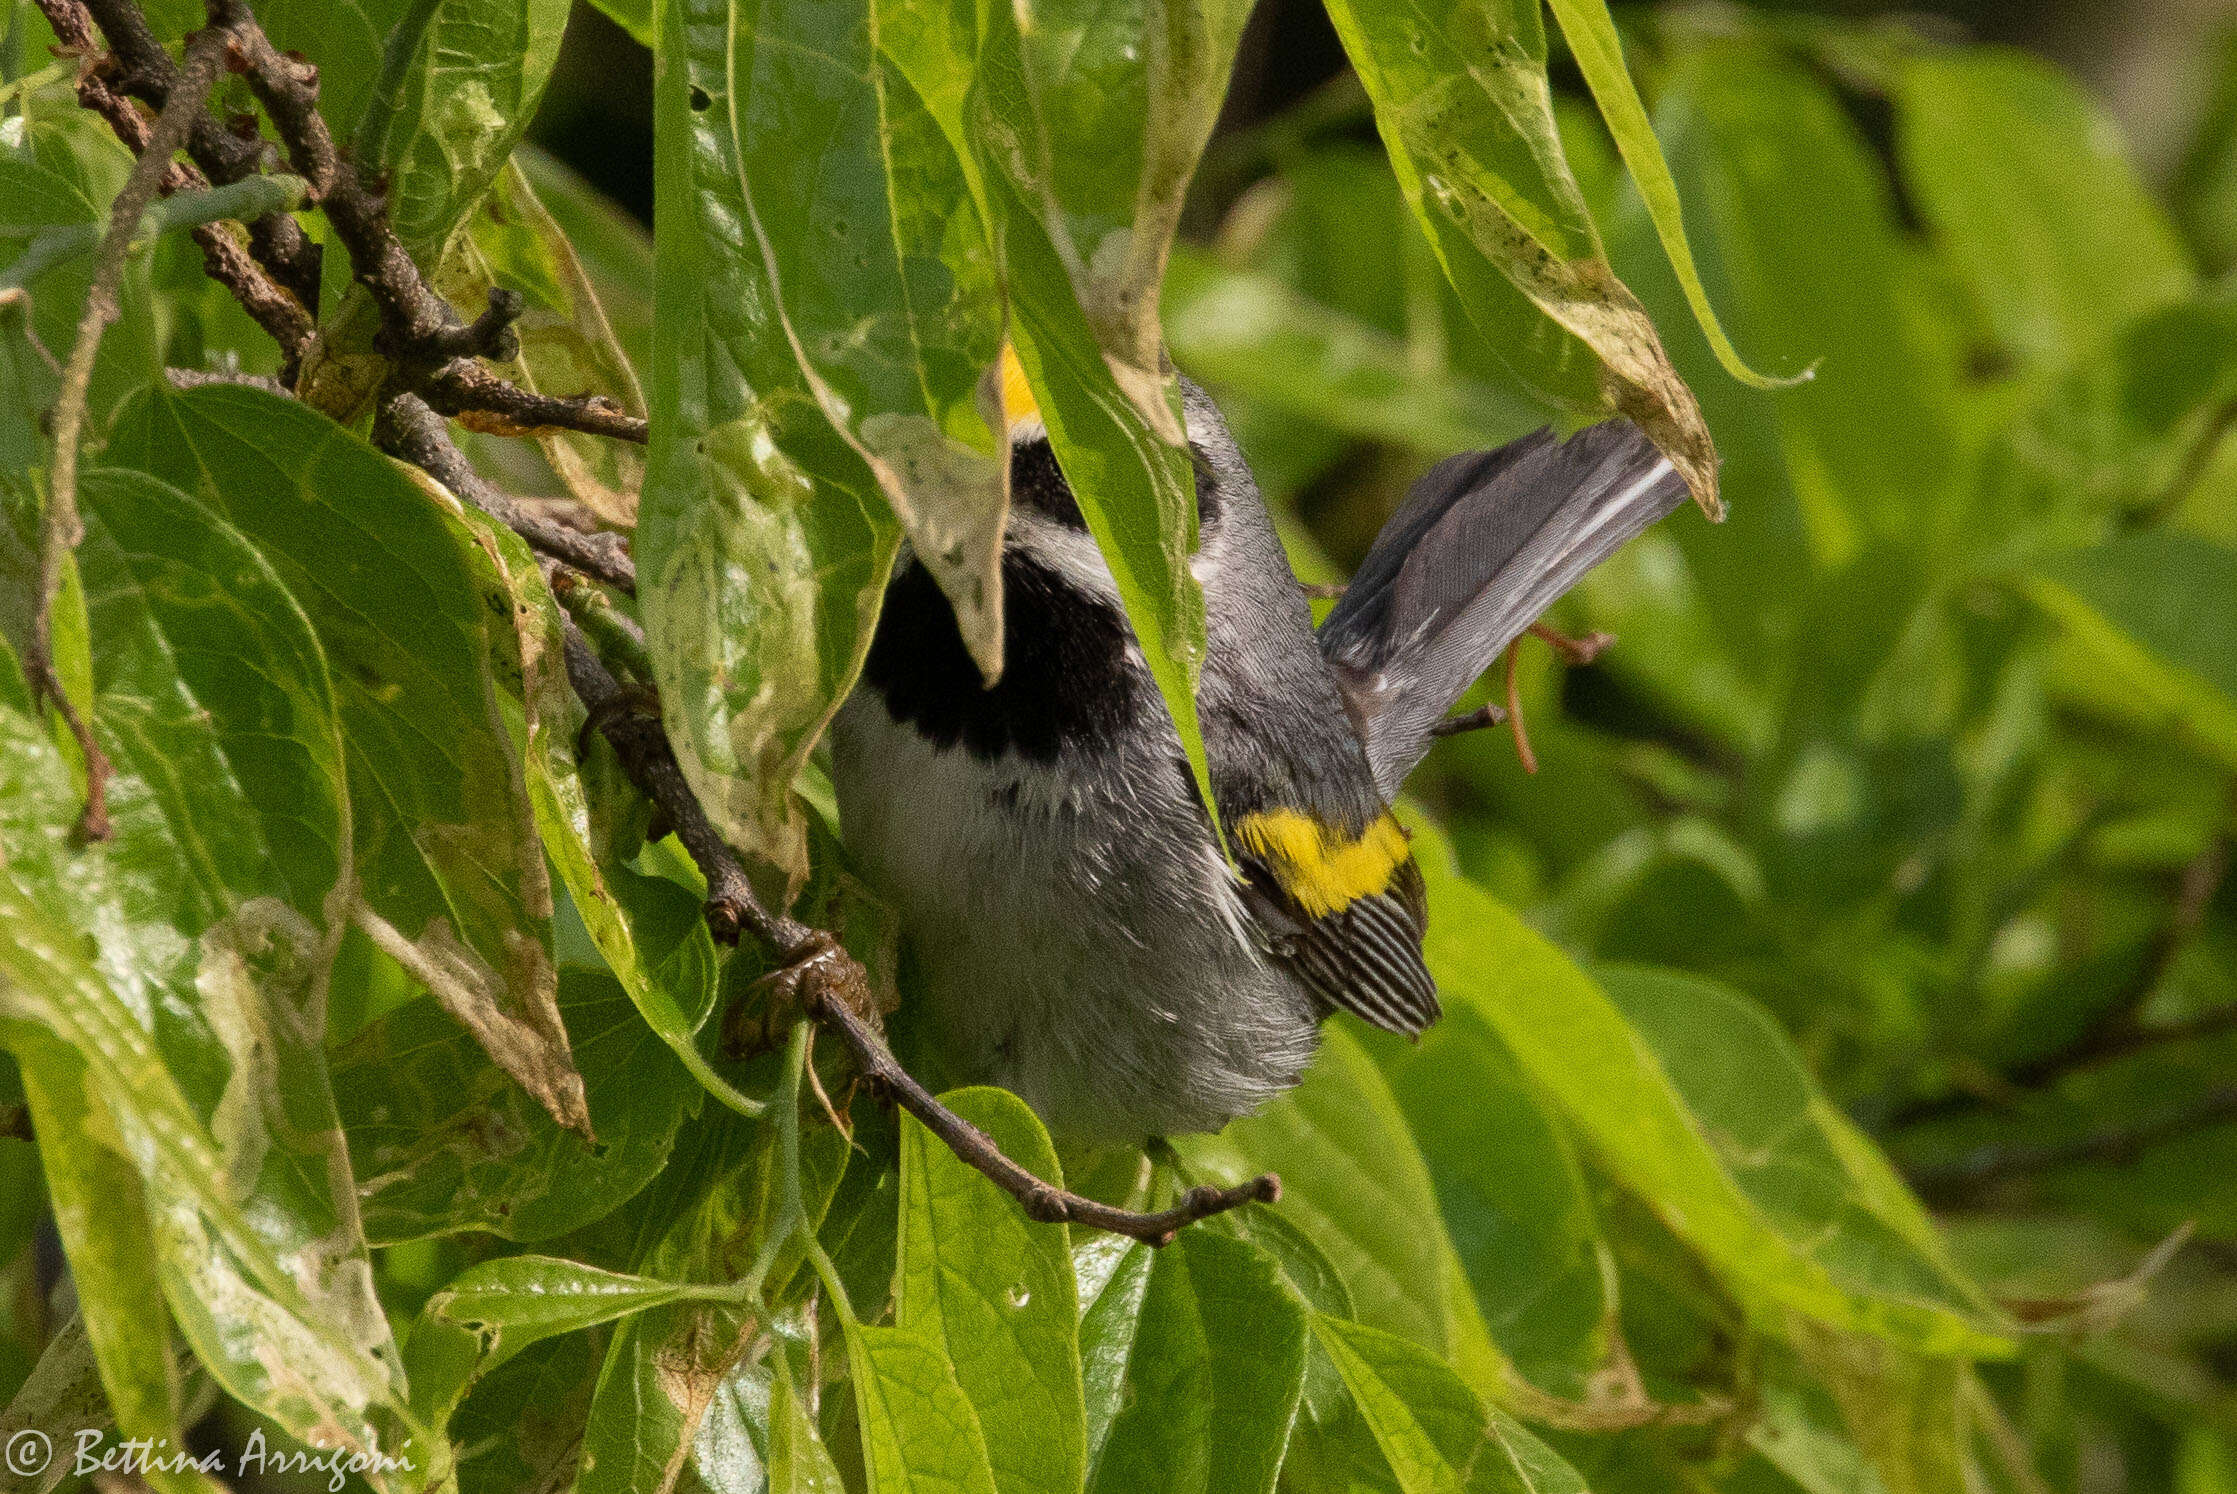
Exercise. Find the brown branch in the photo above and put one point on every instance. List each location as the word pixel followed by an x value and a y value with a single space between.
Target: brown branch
pixel 1482 716
pixel 144 70
pixel 499 407
pixel 1041 1201
pixel 279 313
pixel 60 529
pixel 414 319
pixel 407 428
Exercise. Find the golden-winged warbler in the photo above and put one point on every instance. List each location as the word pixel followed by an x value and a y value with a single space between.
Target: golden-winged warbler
pixel 1077 936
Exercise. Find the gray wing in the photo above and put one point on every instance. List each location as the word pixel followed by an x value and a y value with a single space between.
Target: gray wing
pixel 1483 545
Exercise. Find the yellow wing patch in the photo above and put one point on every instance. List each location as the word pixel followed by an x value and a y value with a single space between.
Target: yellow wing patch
pixel 1018 403
pixel 1319 866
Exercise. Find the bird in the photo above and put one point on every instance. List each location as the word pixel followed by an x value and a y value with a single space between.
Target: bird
pixel 1075 930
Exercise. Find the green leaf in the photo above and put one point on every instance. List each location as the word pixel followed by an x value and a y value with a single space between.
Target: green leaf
pixel 885 290
pixel 417 623
pixel 1800 225
pixel 460 83
pixel 919 1434
pixel 1591 34
pixel 195 623
pixel 443 1141
pixel 1815 1249
pixel 1807 1167
pixel 613 248
pixel 1194 1357
pixel 306 1346
pixel 523 1298
pixel 994 1292
pixel 1511 1193
pixel 759 584
pixel 1354 1182
pixel 1438 1436
pixel 1248 333
pixel 181 1028
pixel 2032 197
pixel 1463 105
pixel 101 1215
pixel 2157 612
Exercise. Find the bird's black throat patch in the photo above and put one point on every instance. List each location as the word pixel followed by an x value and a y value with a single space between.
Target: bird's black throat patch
pixel 1066 680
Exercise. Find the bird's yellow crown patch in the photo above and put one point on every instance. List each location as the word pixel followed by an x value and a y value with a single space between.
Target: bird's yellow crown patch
pixel 1018 403
pixel 1324 870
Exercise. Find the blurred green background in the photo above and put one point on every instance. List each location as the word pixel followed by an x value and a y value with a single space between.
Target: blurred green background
pixel 1931 749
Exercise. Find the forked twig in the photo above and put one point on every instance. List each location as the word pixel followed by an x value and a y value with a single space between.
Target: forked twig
pixel 60 529
pixel 1041 1201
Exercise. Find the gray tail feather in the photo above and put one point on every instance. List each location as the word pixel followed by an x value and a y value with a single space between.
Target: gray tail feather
pixel 1483 545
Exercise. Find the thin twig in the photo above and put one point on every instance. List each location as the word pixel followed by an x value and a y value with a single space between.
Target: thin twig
pixel 646 756
pixel 60 530
pixel 407 428
pixel 1482 716
pixel 498 407
pixel 2117 1032
pixel 1041 1201
pixel 280 313
pixel 1959 1182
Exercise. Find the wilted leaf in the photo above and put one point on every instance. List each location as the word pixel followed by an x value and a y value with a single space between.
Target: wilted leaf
pixel 1591 34
pixel 758 584
pixel 884 284
pixel 1462 102
pixel 425 662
